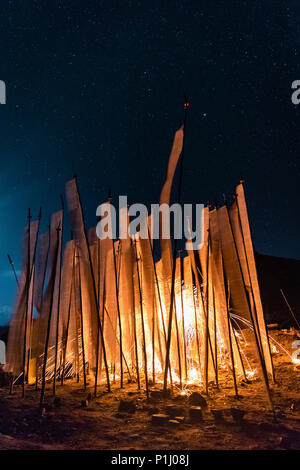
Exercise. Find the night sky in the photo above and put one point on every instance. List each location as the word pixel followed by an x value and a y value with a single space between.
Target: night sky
pixel 97 88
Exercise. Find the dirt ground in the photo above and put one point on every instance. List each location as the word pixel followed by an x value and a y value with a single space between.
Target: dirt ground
pixel 100 425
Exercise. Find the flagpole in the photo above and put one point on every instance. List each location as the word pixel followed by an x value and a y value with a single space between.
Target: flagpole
pixel 98 333
pixel 207 335
pixel 26 307
pixel 253 299
pixel 49 321
pixel 58 300
pixel 182 313
pixel 168 344
pixel 134 327
pixel 153 339
pixel 42 299
pixel 196 324
pixel 255 331
pixel 95 294
pixel 160 305
pixel 81 324
pixel 68 320
pixel 230 343
pixel 32 276
pixel 143 324
pixel 119 313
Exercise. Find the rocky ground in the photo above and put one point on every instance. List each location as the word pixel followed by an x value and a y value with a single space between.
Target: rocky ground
pixel 75 421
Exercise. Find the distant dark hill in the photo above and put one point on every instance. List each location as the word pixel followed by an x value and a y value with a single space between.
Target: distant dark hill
pixel 275 273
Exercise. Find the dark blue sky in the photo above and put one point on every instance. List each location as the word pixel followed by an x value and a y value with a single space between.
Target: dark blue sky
pixel 96 88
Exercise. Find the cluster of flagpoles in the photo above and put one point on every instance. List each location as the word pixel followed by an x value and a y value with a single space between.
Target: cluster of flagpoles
pixel 75 308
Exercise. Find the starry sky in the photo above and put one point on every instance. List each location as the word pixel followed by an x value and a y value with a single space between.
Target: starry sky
pixel 97 87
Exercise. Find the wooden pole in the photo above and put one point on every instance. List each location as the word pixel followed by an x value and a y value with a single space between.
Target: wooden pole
pixel 81 324
pixel 44 277
pixel 68 321
pixel 196 328
pixel 26 306
pixel 160 306
pixel 158 288
pixel 230 346
pixel 153 340
pixel 58 301
pixel 17 281
pixel 143 325
pixel 49 321
pixel 207 334
pixel 119 314
pixel 135 333
pixel 32 277
pixel 178 343
pixel 182 312
pixel 77 320
pixel 95 297
pixel 215 336
pixel 168 344
pixel 255 331
pixel 205 316
pixel 253 302
pixel 124 358
pixel 98 332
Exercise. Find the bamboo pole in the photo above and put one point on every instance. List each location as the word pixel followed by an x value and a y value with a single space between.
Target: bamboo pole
pixel 205 315
pixel 68 320
pixel 58 301
pixel 98 332
pixel 134 332
pixel 256 333
pixel 239 351
pixel 81 324
pixel 182 312
pixel 119 315
pixel 157 286
pixel 168 344
pixel 26 306
pixel 231 348
pixel 253 302
pixel 153 341
pixel 215 336
pixel 160 305
pixel 44 277
pixel 77 321
pixel 143 325
pixel 196 328
pixel 158 335
pixel 178 344
pixel 99 353
pixel 49 322
pixel 124 358
pixel 95 296
pixel 207 335
pixel 32 277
